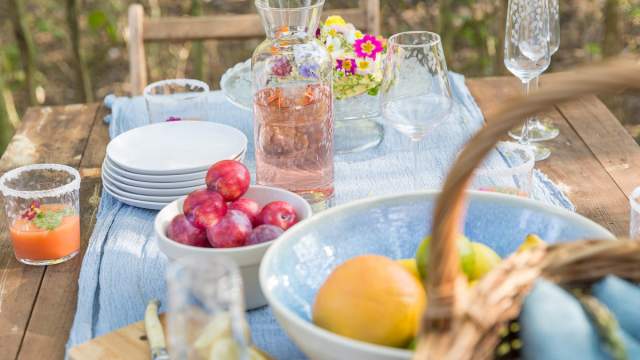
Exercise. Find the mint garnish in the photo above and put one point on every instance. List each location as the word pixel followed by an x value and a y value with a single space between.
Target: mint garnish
pixel 49 220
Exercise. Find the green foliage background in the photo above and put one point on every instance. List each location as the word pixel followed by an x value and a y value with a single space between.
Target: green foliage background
pixel 591 30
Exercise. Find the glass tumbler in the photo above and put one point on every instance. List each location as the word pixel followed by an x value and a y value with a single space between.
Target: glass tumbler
pixel 42 208
pixel 206 310
pixel 634 216
pixel 176 99
pixel 514 179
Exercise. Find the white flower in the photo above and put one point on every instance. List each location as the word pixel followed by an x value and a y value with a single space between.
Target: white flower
pixel 334 45
pixel 365 66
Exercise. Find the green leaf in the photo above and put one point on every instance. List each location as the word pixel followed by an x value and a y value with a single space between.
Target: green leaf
pixel 49 220
pixel 97 19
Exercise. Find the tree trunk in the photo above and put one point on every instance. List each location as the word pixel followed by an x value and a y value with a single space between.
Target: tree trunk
pixel 501 14
pixel 25 43
pixel 445 27
pixel 6 128
pixel 82 73
pixel 197 51
pixel 612 42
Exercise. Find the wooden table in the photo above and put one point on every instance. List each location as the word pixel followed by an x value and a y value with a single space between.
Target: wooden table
pixel 594 161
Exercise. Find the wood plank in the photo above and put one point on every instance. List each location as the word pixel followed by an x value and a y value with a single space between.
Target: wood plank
pixel 572 165
pixel 222 26
pixel 611 144
pixel 48 330
pixel 96 148
pixel 55 306
pixel 47 134
pixel 50 134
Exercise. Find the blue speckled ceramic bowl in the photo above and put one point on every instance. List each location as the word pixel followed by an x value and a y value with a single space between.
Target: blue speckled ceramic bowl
pixel 297 264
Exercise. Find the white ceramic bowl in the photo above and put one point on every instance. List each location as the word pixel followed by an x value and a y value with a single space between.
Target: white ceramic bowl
pixel 296 266
pixel 248 258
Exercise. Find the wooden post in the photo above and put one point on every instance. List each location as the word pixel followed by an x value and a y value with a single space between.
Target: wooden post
pixel 137 60
pixel 25 43
pixel 82 73
pixel 371 9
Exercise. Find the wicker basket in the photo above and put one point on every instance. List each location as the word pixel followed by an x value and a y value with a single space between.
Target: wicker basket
pixel 464 323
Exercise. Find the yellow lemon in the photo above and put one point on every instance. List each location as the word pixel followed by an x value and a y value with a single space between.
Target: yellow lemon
pixel 531 241
pixel 485 259
pixel 411 266
pixel 371 298
pixel 335 20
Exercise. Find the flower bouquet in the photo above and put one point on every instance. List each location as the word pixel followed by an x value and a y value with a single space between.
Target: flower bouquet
pixel 357 76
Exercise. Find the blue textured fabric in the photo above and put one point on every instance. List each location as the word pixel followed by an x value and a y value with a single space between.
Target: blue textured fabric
pixel 123 267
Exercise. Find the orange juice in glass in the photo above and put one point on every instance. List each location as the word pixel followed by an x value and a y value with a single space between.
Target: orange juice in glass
pixel 42 207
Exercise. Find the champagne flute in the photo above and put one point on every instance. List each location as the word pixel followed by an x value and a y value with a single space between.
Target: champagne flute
pixel 544 129
pixel 416 95
pixel 526 52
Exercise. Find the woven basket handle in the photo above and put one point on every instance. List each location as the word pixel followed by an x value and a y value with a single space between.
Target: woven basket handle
pixel 443 284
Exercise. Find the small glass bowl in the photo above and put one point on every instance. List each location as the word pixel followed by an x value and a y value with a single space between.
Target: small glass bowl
pixel 515 179
pixel 43 212
pixel 176 99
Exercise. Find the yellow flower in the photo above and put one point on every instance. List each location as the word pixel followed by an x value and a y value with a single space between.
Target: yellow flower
pixel 358 34
pixel 333 32
pixel 335 20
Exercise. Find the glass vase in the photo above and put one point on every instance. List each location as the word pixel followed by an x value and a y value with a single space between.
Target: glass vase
pixel 356 128
pixel 293 101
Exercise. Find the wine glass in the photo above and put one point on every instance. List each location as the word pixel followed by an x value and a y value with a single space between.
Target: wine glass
pixel 416 95
pixel 544 129
pixel 526 51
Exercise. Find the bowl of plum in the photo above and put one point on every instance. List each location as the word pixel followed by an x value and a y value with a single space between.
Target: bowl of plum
pixel 229 218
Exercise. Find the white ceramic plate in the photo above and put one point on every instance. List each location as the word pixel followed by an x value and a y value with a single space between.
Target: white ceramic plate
pixel 157 199
pixel 176 147
pixel 149 192
pixel 114 169
pixel 151 185
pixel 137 203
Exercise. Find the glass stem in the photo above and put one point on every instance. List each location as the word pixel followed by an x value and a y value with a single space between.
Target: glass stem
pixel 415 149
pixel 524 136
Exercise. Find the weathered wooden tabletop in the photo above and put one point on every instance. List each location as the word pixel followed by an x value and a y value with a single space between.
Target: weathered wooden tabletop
pixel 594 161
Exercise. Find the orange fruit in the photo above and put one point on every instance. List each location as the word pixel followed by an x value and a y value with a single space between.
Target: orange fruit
pixel 371 298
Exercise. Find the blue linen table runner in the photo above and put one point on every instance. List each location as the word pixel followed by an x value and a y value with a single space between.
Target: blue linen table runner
pixel 123 268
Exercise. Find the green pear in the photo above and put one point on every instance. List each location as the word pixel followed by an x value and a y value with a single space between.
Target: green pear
pixel 485 259
pixel 464 250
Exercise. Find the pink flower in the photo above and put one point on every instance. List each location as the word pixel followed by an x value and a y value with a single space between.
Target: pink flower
pixel 281 67
pixel 367 46
pixel 347 66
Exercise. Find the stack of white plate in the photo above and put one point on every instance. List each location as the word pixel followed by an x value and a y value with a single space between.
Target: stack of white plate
pixel 151 166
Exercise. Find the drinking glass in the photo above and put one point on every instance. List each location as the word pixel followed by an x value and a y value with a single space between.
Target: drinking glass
pixel 634 218
pixel 516 178
pixel 43 212
pixel 544 129
pixel 416 95
pixel 176 99
pixel 526 52
pixel 206 310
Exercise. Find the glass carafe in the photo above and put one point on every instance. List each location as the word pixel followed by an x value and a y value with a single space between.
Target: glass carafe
pixel 293 101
